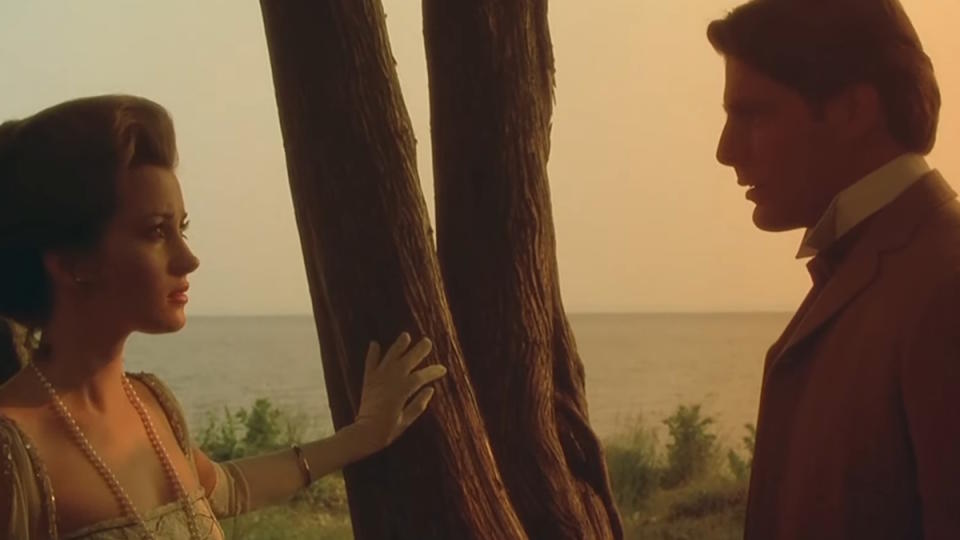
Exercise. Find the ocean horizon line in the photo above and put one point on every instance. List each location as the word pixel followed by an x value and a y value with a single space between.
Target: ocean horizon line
pixel 569 313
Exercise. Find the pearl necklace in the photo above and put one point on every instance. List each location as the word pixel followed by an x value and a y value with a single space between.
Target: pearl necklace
pixel 118 492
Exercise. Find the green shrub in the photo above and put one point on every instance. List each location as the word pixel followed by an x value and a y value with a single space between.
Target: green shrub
pixel 219 439
pixel 740 467
pixel 633 466
pixel 692 450
pixel 750 440
pixel 263 428
pixel 262 425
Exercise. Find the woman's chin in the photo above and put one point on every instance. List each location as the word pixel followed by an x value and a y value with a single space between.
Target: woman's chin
pixel 171 321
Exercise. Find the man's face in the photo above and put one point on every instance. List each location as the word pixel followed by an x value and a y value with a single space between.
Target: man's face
pixel 779 148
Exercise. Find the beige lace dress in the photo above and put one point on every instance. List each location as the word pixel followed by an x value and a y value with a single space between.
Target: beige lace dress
pixel 32 513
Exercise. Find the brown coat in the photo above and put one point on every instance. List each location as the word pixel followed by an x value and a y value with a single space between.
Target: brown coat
pixel 858 435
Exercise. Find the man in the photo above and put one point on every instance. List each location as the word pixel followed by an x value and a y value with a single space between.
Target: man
pixel 831 106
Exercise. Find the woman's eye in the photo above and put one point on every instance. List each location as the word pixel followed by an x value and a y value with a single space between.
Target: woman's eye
pixel 162 231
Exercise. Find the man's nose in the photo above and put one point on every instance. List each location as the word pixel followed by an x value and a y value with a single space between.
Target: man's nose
pixel 727 147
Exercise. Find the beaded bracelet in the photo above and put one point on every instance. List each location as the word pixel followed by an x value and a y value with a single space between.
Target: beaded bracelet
pixel 304 466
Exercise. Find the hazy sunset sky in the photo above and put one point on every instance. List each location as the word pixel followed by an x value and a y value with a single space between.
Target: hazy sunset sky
pixel 646 219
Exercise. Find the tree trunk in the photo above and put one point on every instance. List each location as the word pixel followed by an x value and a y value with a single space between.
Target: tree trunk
pixel 490 65
pixel 372 268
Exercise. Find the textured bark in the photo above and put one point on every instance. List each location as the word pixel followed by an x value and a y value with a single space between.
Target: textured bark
pixel 372 268
pixel 490 64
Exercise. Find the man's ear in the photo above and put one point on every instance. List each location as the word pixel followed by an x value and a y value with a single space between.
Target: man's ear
pixel 855 112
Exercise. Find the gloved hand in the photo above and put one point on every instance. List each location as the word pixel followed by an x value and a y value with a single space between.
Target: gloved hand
pixel 388 385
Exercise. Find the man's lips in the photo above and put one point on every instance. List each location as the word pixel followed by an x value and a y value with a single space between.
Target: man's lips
pixel 752 189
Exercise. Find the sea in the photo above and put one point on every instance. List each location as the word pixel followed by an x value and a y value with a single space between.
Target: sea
pixel 639 367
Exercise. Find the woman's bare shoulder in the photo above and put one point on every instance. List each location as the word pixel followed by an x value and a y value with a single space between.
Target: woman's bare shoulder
pixel 20 399
pixel 16 420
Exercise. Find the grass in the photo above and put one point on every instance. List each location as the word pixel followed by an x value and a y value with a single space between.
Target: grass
pixel 691 487
pixel 317 513
pixel 708 508
pixel 289 523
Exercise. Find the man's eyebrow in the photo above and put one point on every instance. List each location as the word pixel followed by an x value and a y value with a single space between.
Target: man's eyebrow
pixel 746 107
pixel 738 106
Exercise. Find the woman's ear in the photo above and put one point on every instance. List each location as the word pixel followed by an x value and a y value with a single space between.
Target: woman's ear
pixel 68 271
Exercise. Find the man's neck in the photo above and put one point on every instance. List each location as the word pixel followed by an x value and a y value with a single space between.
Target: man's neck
pixel 869 194
pixel 858 163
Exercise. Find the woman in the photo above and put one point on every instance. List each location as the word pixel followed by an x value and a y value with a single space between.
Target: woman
pixel 93 248
pixel 9 355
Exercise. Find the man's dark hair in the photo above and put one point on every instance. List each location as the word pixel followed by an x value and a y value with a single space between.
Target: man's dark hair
pixel 820 47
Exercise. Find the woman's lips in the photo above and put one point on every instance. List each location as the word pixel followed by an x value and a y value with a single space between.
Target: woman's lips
pixel 179 296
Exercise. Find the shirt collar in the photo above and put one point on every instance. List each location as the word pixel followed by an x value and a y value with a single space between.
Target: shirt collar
pixel 859 201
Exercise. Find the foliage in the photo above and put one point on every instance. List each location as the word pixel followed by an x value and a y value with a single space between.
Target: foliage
pixel 633 466
pixel 263 428
pixel 708 499
pixel 740 467
pixel 318 512
pixel 692 451
pixel 288 523
pixel 679 491
pixel 219 439
pixel 675 492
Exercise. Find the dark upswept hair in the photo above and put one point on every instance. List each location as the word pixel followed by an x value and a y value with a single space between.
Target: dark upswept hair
pixel 58 185
pixel 820 47
pixel 10 357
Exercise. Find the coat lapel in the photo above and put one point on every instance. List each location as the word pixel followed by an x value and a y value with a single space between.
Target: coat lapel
pixel 856 272
pixel 891 230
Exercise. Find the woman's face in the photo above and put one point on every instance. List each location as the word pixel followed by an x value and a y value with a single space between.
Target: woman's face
pixel 141 266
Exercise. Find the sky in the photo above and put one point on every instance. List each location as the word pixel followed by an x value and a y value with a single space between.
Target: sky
pixel 646 220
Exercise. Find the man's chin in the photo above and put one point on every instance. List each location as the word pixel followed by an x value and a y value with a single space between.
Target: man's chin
pixel 766 219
